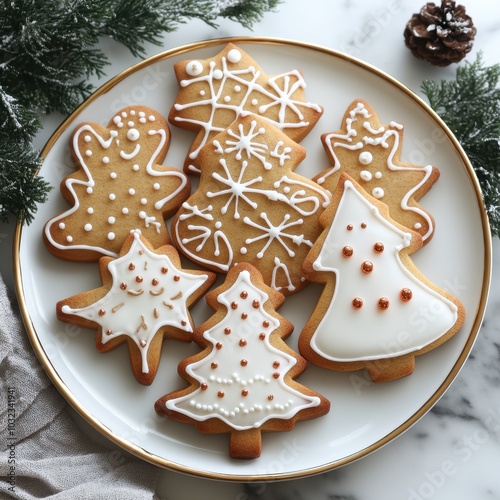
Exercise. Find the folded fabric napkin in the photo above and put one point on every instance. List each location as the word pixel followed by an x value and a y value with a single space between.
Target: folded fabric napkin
pixel 43 453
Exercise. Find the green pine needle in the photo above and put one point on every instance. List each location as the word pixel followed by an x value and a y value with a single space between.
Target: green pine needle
pixel 48 51
pixel 470 106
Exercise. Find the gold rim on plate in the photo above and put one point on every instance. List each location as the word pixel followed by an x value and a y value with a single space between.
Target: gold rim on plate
pixel 163 462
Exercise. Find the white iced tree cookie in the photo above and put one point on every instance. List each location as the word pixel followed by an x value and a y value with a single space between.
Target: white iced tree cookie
pixel 250 206
pixel 119 185
pixel 214 92
pixel 145 297
pixel 242 382
pixel 370 153
pixel 377 311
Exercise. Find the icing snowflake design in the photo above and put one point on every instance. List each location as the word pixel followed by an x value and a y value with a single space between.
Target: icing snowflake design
pixel 223 222
pixel 233 82
pixel 148 292
pixel 369 153
pixel 119 186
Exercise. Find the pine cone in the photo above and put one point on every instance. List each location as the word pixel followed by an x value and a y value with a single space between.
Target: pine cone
pixel 440 35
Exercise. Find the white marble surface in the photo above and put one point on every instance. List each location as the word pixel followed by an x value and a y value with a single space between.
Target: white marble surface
pixel 453 451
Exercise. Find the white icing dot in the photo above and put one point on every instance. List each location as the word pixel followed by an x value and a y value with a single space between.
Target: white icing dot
pixel 237 88
pixel 132 112
pixel 113 175
pixel 218 225
pixel 365 158
pixel 202 92
pixel 135 168
pixel 133 134
pixel 378 175
pixel 378 192
pixel 111 220
pixel 286 190
pixel 217 74
pixel 124 114
pixel 234 56
pixel 119 125
pixel 105 159
pixel 144 201
pixel 418 225
pixel 90 210
pixel 130 123
pixel 142 120
pixel 87 227
pixel 90 190
pixel 117 119
pixel 111 235
pixel 112 196
pixel 87 138
pixel 142 214
pixel 62 225
pixel 255 102
pixel 152 118
pixel 156 186
pixel 194 68
pixel 365 175
pixel 227 98
pixel 131 191
pixel 69 239
pixel 88 152
pixel 125 210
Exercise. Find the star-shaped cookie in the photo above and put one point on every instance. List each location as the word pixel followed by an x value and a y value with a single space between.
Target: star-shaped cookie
pixel 144 297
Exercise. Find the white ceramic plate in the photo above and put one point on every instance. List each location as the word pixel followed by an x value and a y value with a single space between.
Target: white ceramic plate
pixel 363 415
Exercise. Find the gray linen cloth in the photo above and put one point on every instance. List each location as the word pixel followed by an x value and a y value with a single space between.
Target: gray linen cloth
pixel 43 453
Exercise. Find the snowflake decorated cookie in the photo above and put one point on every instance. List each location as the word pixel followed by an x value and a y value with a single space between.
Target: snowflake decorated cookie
pixel 145 297
pixel 214 92
pixel 370 153
pixel 119 185
pixel 250 206
pixel 377 311
pixel 243 381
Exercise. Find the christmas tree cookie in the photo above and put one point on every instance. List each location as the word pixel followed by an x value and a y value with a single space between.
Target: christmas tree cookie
pixel 119 185
pixel 370 153
pixel 144 298
pixel 242 383
pixel 377 311
pixel 250 206
pixel 214 92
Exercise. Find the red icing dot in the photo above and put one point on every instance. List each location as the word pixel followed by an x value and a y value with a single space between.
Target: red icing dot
pixel 265 324
pixel 276 375
pixel 244 392
pixel 244 315
pixel 164 270
pixel 213 365
pixel 378 247
pixel 244 295
pixel 123 286
pixel 357 303
pixel 243 342
pixel 262 336
pixel 218 345
pixel 131 267
pixel 406 294
pixel 276 364
pixel 154 281
pixel 363 225
pixel 204 386
pixel 349 227
pixel 255 304
pixel 347 251
pixel 177 278
pixel 139 279
pixel 101 312
pixel 367 267
pixel 270 397
pixel 234 305
pixel 227 331
pixel 220 394
pixel 243 362
pixel 383 303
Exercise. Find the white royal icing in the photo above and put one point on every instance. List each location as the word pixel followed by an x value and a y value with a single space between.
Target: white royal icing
pixel 278 93
pixel 377 137
pixel 147 293
pixel 304 202
pixel 126 203
pixel 242 380
pixel 349 334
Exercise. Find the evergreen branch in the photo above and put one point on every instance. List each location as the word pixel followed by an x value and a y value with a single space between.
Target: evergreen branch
pixel 47 54
pixel 470 106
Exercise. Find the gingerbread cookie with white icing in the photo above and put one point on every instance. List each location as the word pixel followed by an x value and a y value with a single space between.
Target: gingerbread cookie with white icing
pixel 119 185
pixel 145 297
pixel 243 381
pixel 370 153
pixel 250 206
pixel 377 311
pixel 214 92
